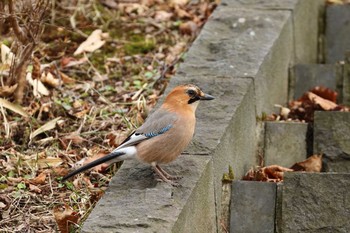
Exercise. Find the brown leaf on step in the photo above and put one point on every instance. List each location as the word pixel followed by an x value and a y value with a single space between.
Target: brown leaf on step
pixel 6 91
pixel 325 93
pixel 272 173
pixel 312 164
pixel 276 171
pixel 40 179
pixel 64 217
pixel 337 2
pixel 324 103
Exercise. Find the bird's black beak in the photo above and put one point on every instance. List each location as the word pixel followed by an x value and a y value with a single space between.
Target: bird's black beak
pixel 206 97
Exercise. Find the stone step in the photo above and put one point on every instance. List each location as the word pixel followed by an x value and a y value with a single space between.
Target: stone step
pixel 285 143
pixel 332 138
pixel 253 207
pixel 337 32
pixel 334 76
pixel 315 202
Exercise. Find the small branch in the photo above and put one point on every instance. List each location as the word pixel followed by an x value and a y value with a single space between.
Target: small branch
pixel 2 20
pixel 14 23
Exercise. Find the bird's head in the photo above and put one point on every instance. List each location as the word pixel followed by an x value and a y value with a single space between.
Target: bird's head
pixel 186 96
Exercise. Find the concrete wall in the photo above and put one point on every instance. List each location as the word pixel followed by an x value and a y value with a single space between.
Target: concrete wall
pixel 241 57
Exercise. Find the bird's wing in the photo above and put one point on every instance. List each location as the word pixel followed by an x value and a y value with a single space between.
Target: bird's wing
pixel 156 124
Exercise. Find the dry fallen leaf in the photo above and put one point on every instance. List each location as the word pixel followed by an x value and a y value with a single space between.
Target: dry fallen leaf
pixel 324 103
pixel 162 16
pixel 330 2
pixel 6 55
pixel 71 61
pixel 34 188
pixel 325 93
pixel 95 41
pixel 60 171
pixel 272 173
pixel 87 160
pixel 74 138
pixel 65 78
pixel 49 162
pixel 312 164
pixel 13 107
pixel 39 88
pixel 49 79
pixel 178 2
pixel 64 217
pixel 40 179
pixel 6 91
pixel 46 127
pixel 189 28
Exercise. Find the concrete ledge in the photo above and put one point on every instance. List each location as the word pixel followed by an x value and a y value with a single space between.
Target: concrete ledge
pixel 331 138
pixel 241 57
pixel 253 207
pixel 317 202
pixel 285 143
pixel 136 202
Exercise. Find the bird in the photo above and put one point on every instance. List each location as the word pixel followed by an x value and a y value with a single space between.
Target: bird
pixel 163 136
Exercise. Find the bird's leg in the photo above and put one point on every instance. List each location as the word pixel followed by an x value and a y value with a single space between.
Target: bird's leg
pixel 167 175
pixel 162 176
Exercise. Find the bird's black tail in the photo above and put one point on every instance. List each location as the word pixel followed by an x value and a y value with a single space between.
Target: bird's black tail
pixel 94 163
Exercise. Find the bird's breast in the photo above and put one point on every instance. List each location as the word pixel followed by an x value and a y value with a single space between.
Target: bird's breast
pixel 168 146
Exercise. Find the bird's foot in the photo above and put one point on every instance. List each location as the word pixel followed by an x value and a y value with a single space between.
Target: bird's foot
pixel 173 183
pixel 164 177
pixel 167 175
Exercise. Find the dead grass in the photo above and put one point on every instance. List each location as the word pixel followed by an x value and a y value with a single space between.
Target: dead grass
pixel 93 101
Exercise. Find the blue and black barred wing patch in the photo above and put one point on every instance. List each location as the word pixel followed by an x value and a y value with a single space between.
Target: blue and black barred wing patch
pixel 159 132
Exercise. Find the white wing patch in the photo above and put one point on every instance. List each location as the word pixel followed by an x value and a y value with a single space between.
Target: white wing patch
pixel 133 139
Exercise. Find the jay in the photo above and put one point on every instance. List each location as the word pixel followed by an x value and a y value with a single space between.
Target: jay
pixel 162 137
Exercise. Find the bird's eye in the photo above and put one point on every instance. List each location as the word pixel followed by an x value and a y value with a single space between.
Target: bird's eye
pixel 191 92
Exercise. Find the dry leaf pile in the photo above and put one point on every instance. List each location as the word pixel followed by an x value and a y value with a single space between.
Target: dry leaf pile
pixel 337 2
pixel 317 99
pixel 274 173
pixel 97 70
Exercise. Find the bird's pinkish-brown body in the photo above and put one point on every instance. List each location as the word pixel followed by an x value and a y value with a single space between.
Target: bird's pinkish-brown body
pixel 164 135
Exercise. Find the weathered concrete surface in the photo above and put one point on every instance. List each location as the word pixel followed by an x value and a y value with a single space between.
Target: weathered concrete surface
pixel 135 202
pixel 253 207
pixel 285 143
pixel 242 58
pixel 249 43
pixel 337 32
pixel 308 76
pixel 232 140
pixel 278 209
pixel 332 138
pixel 305 44
pixel 346 81
pixel 316 203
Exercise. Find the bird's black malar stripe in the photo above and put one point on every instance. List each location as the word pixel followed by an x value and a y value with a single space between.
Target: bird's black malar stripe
pixel 193 99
